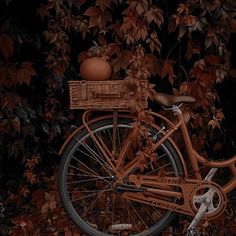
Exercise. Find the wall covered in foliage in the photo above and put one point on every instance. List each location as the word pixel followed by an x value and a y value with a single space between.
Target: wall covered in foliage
pixel 187 46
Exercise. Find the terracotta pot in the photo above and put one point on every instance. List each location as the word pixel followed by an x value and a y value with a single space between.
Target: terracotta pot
pixel 95 69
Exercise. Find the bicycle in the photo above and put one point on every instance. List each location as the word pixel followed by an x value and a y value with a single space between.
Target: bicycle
pixel 116 179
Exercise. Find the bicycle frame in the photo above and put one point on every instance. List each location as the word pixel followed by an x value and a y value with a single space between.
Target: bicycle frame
pixel 166 186
pixel 194 157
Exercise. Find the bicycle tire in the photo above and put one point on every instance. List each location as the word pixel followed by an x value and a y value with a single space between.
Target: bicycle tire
pixel 88 225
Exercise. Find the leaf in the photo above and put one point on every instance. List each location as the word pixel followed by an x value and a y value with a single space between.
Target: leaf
pixel 45 208
pixel 141 6
pixel 30 176
pixel 9 100
pixel 4 126
pixel 24 191
pixel 155 15
pixel 182 8
pixel 172 25
pixel 25 72
pixel 182 31
pixel 154 65
pixel 16 125
pixel 38 197
pixel 217 146
pixel 213 124
pixel 212 59
pixel 95 20
pixel 168 70
pixel 233 25
pixel 19 222
pixel 92 11
pixel 154 42
pixel 232 73
pixel 6 46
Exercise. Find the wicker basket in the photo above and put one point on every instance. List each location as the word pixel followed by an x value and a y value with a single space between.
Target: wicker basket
pixel 111 94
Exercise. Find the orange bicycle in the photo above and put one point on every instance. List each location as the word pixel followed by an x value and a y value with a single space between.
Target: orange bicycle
pixel 122 176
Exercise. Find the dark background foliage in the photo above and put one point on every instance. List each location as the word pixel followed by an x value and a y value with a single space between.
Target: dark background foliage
pixel 189 49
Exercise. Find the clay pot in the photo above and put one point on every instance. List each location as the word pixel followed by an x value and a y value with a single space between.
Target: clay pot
pixel 95 69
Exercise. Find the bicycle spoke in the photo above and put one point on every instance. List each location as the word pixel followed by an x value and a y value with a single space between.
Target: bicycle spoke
pixel 90 195
pixel 86 180
pixel 138 215
pixel 89 169
pixel 161 167
pixel 94 155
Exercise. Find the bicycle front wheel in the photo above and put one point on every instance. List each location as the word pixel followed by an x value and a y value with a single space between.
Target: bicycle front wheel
pixel 87 184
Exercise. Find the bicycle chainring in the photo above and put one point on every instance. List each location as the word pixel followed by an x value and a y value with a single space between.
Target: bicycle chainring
pixel 216 197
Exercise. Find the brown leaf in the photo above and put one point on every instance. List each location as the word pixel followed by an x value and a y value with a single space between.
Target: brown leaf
pixel 4 126
pixel 212 59
pixel 25 73
pixel 9 100
pixel 45 208
pixel 16 125
pixel 232 73
pixel 30 176
pixel 154 65
pixel 19 222
pixel 233 25
pixel 168 70
pixel 95 20
pixel 24 191
pixel 92 11
pixel 155 15
pixel 38 197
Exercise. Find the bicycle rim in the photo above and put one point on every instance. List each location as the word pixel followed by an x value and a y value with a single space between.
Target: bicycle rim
pixel 88 192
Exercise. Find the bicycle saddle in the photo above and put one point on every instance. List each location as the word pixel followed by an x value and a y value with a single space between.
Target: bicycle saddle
pixel 170 100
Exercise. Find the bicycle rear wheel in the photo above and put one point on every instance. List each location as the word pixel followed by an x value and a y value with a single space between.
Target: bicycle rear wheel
pixel 87 184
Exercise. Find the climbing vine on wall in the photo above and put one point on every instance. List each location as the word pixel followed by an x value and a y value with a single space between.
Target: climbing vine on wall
pixel 181 44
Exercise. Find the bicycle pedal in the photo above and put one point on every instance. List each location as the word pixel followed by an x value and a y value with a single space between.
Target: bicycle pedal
pixel 192 232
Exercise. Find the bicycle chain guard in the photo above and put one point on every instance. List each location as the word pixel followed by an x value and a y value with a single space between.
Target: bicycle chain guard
pixel 183 189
